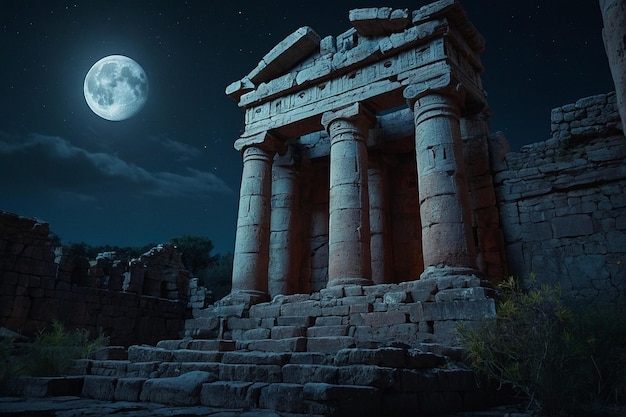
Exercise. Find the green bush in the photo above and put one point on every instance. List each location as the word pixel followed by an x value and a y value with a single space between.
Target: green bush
pixel 560 358
pixel 54 351
pixel 7 367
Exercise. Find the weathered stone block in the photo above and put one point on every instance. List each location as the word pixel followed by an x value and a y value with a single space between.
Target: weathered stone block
pixel 210 367
pixel 395 297
pixel 250 373
pixel 302 321
pixel 346 400
pixel 388 357
pixel 219 345
pixel 138 353
pixel 180 390
pixel 284 332
pixel 380 319
pixel 99 387
pixel 128 389
pixel 329 344
pixel 453 310
pixel 305 308
pixel 256 334
pixel 329 320
pixel 188 355
pixel 142 370
pixel 325 331
pixel 243 323
pixel 310 358
pixel 256 358
pixel 422 290
pixel 231 394
pixel 302 374
pixel 416 359
pixel 283 397
pixel 367 375
pixel 264 310
pixel 109 368
pixel 418 380
pixel 572 226
pixel 458 294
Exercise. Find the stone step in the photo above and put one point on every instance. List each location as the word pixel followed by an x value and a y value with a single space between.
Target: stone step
pixel 219 345
pixel 201 388
pixel 39 387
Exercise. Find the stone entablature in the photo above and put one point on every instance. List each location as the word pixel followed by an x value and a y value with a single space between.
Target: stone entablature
pixel 331 124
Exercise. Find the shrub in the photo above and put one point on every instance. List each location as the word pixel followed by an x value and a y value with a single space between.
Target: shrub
pixel 54 351
pixel 559 358
pixel 7 367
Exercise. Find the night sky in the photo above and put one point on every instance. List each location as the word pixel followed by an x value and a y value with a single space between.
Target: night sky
pixel 171 170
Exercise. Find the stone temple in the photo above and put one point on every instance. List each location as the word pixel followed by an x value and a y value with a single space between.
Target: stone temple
pixel 365 157
pixel 377 212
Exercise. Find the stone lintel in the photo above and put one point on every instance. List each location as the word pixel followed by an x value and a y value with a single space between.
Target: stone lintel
pixel 378 21
pixel 378 85
pixel 264 140
pixel 301 113
pixel 393 130
pixel 284 56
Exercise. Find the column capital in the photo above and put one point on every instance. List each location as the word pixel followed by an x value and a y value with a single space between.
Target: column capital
pixel 263 140
pixel 289 158
pixel 445 84
pixel 355 112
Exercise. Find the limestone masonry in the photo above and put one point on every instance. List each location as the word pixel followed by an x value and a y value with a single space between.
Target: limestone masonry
pixel 377 212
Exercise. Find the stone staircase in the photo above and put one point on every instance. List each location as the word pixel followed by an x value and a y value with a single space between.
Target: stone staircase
pixel 366 351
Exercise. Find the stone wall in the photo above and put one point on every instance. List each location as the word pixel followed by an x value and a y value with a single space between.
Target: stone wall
pixel 563 201
pixel 143 302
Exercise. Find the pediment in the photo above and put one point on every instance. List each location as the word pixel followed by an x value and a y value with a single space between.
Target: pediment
pixel 304 58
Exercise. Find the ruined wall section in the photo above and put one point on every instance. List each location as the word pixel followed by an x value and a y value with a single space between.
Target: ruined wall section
pixel 563 202
pixel 36 288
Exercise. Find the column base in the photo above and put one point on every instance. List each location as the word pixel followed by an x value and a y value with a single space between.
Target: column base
pixel 349 281
pixel 247 297
pixel 473 276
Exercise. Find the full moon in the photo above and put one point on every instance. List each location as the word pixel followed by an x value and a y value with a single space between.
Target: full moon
pixel 116 88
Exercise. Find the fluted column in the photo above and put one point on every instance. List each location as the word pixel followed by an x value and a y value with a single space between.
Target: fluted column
pixel 614 35
pixel 285 244
pixel 380 245
pixel 349 227
pixel 251 257
pixel 445 209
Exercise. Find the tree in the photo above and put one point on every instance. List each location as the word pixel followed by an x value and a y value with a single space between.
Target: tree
pixel 195 252
pixel 217 277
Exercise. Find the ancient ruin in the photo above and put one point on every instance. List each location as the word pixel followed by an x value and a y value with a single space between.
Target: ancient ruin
pixel 376 213
pixel 336 132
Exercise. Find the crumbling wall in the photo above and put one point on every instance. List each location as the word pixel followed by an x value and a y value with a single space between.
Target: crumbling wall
pixel 36 288
pixel 563 202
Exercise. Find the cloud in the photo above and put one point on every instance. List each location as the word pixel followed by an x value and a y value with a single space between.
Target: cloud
pixel 39 162
pixel 180 151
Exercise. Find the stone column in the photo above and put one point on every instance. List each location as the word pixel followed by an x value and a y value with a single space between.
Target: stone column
pixel 445 209
pixel 285 237
pixel 614 35
pixel 251 257
pixel 380 245
pixel 349 226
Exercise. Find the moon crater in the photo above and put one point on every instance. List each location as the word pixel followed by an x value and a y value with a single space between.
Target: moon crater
pixel 116 88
